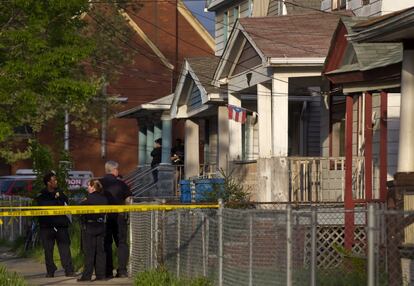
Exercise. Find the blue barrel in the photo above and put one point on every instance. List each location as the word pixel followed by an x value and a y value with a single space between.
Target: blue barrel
pixel 185 191
pixel 208 189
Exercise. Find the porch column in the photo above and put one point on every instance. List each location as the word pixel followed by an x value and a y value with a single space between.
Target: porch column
pixel 264 111
pixel 280 90
pixel 166 140
pixel 157 131
pixel 222 138
pixel 383 146
pixel 150 143
pixel 406 142
pixel 142 145
pixel 191 149
pixel 349 203
pixel 368 146
pixel 235 134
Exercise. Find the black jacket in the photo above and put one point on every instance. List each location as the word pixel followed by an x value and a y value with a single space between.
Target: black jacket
pixel 115 190
pixel 96 199
pixel 46 198
pixel 156 156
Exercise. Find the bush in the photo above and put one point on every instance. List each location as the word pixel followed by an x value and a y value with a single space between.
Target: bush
pixel 10 278
pixel 161 277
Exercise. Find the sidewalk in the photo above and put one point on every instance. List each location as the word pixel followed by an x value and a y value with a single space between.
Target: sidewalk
pixel 34 272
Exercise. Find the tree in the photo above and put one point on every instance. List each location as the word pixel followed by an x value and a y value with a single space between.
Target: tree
pixel 50 62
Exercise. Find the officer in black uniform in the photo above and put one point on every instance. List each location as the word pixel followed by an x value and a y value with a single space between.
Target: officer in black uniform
pixel 93 234
pixel 117 193
pixel 54 228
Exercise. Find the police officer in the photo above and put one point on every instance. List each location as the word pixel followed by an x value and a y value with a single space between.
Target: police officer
pixel 93 234
pixel 117 193
pixel 54 228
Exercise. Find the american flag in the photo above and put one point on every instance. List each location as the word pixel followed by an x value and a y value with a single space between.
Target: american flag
pixel 237 113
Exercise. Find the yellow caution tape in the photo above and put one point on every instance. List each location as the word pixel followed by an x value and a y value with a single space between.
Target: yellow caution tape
pixel 78 210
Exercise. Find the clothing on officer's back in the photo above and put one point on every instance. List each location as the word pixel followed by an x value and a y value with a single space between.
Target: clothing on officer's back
pixel 93 236
pixel 117 224
pixel 115 190
pixel 55 229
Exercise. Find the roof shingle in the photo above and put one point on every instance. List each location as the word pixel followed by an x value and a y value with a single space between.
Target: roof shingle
pixel 295 36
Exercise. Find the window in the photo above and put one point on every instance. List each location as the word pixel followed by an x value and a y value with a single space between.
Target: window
pixel 365 2
pixel 338 4
pixel 250 8
pixel 225 25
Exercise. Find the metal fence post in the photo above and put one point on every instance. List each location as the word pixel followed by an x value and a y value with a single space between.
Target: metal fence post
pixel 220 242
pixel 288 245
pixel 314 223
pixel 251 249
pixel 152 241
pixel 156 239
pixel 371 244
pixel 178 242
pixel 203 243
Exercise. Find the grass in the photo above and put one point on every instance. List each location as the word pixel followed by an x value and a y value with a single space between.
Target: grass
pixel 10 278
pixel 161 277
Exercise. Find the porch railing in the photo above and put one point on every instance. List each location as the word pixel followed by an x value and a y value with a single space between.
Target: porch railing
pixel 316 179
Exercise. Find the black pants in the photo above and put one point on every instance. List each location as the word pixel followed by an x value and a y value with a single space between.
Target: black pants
pixel 48 236
pixel 93 235
pixel 116 230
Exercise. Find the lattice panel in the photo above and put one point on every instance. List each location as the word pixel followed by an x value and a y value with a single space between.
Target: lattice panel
pixel 328 238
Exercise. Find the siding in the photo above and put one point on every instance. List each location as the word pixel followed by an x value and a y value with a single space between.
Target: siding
pixel 299 7
pixel 374 8
pixel 393 132
pixel 219 33
pixel 213 140
pixel 248 59
pixel 195 98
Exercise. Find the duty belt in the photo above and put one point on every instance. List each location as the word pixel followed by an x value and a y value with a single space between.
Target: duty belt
pixel 99 220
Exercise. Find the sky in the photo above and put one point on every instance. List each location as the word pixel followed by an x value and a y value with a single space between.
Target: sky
pixel 205 18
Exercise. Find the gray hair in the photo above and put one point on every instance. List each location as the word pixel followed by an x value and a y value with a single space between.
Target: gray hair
pixel 110 166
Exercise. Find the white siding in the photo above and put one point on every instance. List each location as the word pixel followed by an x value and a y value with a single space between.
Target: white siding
pixel 393 132
pixel 219 34
pixel 374 8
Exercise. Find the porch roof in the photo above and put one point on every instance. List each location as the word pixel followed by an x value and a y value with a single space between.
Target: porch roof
pixel 143 110
pixel 196 81
pixel 348 61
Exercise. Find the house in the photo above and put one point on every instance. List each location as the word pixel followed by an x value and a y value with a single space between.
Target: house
pixel 162 38
pixel 366 8
pixel 398 29
pixel 227 12
pixel 275 73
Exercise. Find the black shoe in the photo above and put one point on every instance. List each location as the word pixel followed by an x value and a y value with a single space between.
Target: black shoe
pixel 109 276
pixel 50 275
pixel 84 279
pixel 121 275
pixel 71 274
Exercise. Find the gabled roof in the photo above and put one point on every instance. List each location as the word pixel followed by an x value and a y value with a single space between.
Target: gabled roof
pixel 203 68
pixel 295 36
pixel 360 56
pixel 200 70
pixel 280 40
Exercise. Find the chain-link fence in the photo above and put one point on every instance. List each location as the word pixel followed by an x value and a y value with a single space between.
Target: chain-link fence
pixel 282 245
pixel 13 227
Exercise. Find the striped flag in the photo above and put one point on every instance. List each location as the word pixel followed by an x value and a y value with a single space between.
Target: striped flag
pixel 237 113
